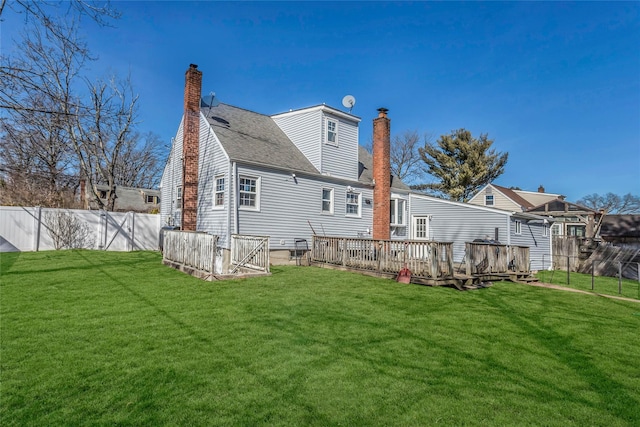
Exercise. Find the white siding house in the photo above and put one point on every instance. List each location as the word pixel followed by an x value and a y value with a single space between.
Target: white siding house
pixel 303 172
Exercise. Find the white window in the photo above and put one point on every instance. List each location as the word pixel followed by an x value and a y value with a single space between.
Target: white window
pixel 545 230
pixel 420 228
pixel 332 132
pixel 218 194
pixel 556 229
pixel 518 227
pixel 327 200
pixel 249 193
pixel 488 200
pixel 353 204
pixel 179 197
pixel 397 212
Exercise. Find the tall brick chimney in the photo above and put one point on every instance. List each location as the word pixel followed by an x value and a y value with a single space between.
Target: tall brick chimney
pixel 190 147
pixel 381 175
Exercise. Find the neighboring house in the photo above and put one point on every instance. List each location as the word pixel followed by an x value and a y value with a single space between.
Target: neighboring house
pixel 495 196
pixel 299 173
pixel 128 199
pixel 621 229
pixel 569 219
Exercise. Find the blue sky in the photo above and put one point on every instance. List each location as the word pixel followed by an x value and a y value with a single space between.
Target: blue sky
pixel 555 84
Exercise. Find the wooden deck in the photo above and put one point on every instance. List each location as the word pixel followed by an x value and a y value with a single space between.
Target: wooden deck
pixel 430 263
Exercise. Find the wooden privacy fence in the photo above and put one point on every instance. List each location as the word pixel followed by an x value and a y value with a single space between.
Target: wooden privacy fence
pixel 489 258
pixel 249 252
pixel 427 259
pixel 189 251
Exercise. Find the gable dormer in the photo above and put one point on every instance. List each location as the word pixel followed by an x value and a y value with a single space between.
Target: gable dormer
pixel 326 136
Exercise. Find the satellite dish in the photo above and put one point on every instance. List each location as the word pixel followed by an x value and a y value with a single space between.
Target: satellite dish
pixel 349 101
pixel 209 100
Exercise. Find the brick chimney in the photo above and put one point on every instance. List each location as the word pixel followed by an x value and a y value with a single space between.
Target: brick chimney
pixel 381 175
pixel 541 189
pixel 190 147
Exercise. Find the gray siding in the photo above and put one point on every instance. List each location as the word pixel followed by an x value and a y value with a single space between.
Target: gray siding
pixel 213 163
pixel 341 160
pixel 287 206
pixel 304 130
pixel 171 177
pixel 458 222
pixel 532 235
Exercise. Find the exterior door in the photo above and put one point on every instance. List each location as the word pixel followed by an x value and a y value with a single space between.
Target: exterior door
pixel 420 227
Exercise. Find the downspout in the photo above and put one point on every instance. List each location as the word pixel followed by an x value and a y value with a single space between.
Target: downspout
pixel 236 192
pixel 509 228
pixel 229 209
pixel 171 219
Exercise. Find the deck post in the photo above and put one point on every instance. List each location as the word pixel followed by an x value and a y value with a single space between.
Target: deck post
pixel 344 252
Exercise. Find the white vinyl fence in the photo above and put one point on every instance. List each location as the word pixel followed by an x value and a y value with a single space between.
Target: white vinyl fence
pixel 36 229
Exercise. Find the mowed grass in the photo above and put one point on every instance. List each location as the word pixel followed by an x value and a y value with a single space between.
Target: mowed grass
pixel 102 338
pixel 601 284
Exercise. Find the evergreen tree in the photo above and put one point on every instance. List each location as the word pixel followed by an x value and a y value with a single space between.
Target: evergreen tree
pixel 461 164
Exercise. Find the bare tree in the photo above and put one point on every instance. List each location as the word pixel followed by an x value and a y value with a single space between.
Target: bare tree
pixel 612 203
pixel 67 231
pixel 42 21
pixel 58 127
pixel 100 138
pixel 139 164
pixel 406 162
pixel 36 160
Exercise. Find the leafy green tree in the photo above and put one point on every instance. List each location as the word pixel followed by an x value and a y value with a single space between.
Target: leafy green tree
pixel 612 203
pixel 461 164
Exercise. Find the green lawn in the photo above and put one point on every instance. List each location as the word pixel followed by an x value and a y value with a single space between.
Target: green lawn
pixel 101 338
pixel 601 284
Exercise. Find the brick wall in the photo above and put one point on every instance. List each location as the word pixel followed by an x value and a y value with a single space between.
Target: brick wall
pixel 381 175
pixel 190 147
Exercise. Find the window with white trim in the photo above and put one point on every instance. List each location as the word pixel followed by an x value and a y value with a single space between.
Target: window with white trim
pixel 332 132
pixel 151 199
pixel 327 200
pixel 397 211
pixel 218 193
pixel 353 204
pixel 249 197
pixel 545 230
pixel 488 200
pixel 518 229
pixel 179 197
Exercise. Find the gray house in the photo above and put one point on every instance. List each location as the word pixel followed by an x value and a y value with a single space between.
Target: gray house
pixel 299 173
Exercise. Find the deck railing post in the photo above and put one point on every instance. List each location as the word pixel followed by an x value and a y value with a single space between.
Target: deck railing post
pixel 344 252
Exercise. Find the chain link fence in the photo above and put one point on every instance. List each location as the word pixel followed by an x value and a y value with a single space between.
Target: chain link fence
pixel 598 275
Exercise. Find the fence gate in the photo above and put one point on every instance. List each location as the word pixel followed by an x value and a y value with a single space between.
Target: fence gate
pixel 249 252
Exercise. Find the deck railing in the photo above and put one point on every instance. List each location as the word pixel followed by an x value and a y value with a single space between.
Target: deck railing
pixel 433 260
pixel 190 249
pixel 489 258
pixel 250 252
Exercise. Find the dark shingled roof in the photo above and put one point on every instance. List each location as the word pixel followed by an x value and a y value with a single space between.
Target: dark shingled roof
pixel 255 138
pixel 251 137
pixel 365 174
